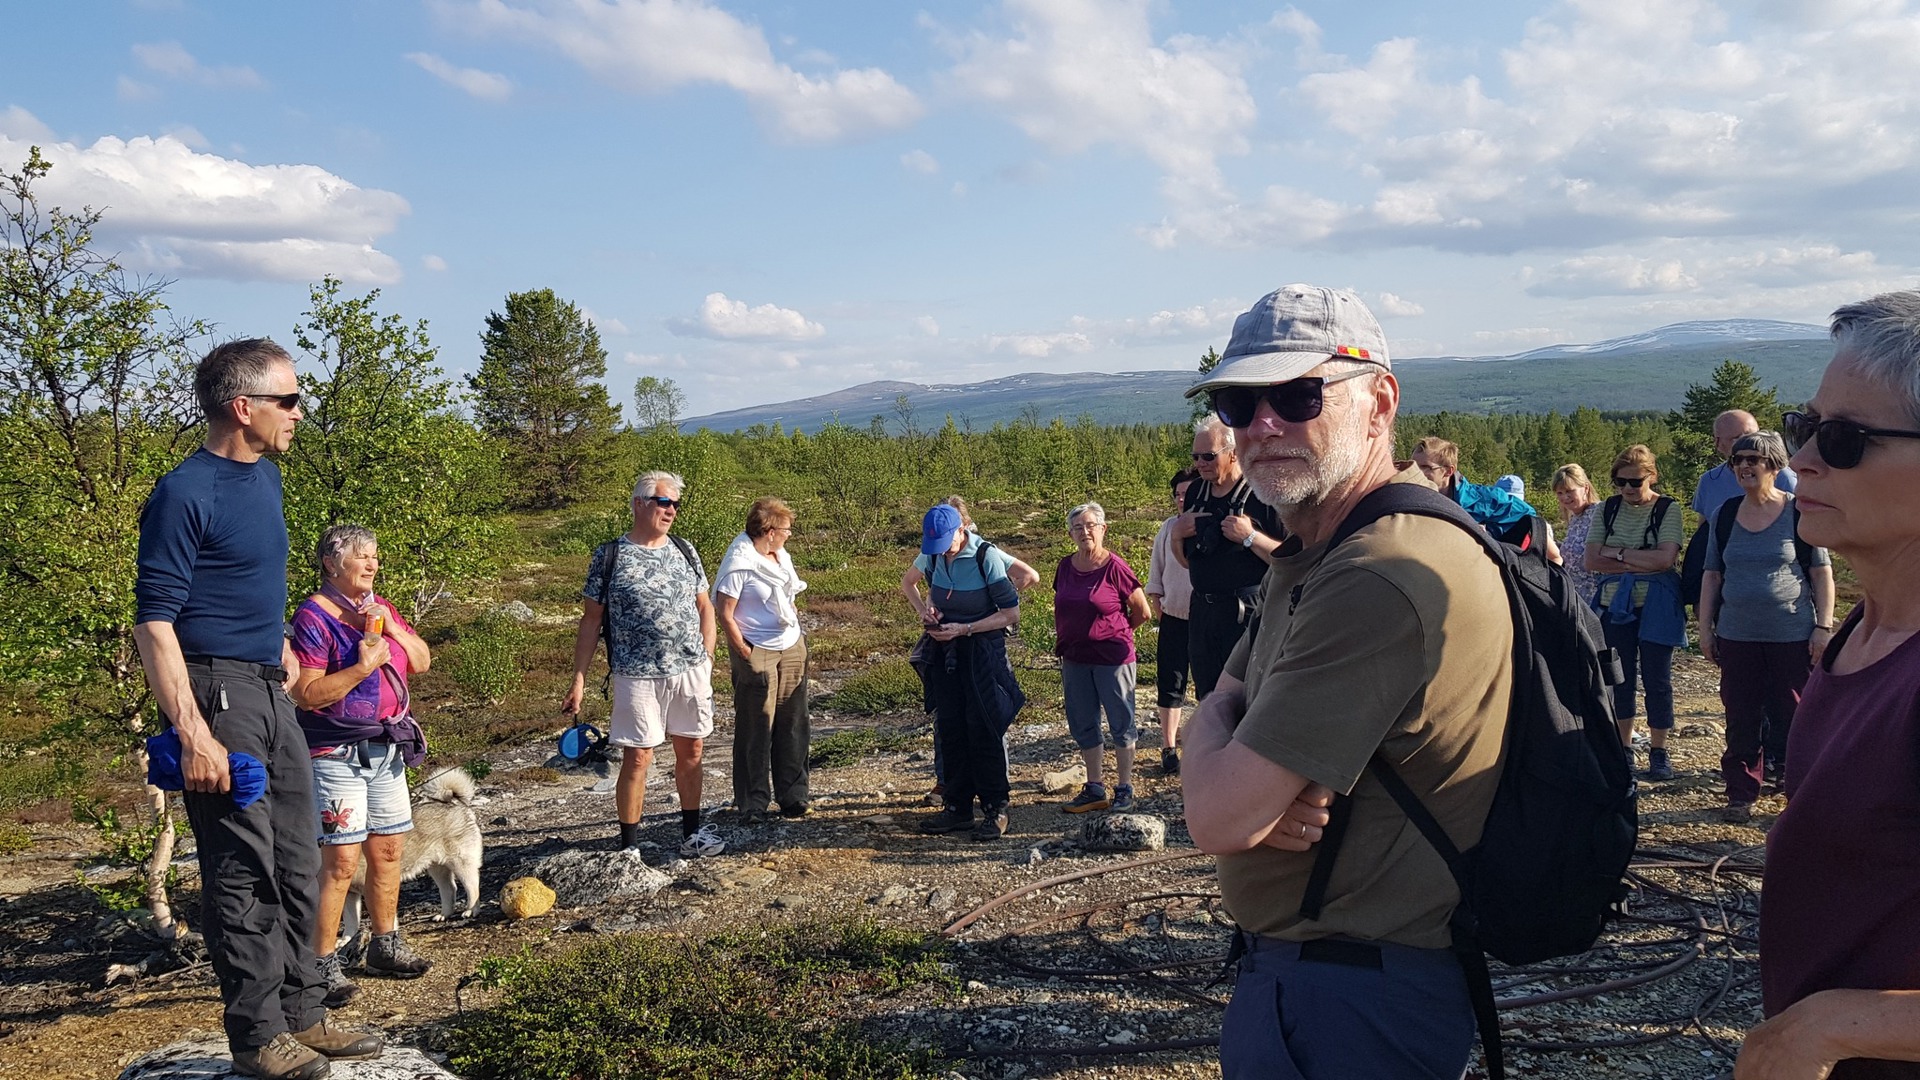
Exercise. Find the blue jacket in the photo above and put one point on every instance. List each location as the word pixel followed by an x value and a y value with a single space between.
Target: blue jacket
pixel 992 693
pixel 1493 507
pixel 1663 620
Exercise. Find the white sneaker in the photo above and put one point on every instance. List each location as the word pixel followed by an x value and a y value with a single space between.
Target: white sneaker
pixel 704 841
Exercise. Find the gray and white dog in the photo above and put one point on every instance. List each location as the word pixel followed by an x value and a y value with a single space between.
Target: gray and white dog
pixel 444 844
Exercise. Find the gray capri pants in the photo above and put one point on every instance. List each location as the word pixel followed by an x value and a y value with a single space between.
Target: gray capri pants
pixel 1091 688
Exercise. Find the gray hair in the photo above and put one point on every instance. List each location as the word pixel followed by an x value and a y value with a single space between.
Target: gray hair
pixel 653 481
pixel 341 540
pixel 1771 447
pixel 235 369
pixel 1211 423
pixel 1091 508
pixel 1882 335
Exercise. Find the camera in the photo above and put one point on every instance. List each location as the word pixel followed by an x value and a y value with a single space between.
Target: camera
pixel 1207 539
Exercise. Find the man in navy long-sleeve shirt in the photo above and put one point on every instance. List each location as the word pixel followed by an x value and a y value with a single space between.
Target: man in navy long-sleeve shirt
pixel 210 608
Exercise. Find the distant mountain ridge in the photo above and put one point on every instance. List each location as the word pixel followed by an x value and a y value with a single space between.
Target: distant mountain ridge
pixel 1637 372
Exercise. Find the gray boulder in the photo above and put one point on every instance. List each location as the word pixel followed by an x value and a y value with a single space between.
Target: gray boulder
pixel 583 877
pixel 206 1058
pixel 1124 832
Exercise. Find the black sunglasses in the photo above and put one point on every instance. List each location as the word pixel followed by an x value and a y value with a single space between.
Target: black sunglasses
pixel 1296 401
pixel 1209 456
pixel 1748 459
pixel 1841 442
pixel 661 501
pixel 1635 482
pixel 288 402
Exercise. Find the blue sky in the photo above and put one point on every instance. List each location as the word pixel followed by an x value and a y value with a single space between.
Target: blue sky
pixel 763 201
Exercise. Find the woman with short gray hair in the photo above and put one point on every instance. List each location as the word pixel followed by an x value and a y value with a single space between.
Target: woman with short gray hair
pixel 1839 966
pixel 1766 613
pixel 1097 603
pixel 356 653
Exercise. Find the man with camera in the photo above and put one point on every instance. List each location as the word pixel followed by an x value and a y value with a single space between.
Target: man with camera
pixel 1223 538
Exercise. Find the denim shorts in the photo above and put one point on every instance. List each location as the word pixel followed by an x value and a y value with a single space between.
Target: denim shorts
pixel 361 788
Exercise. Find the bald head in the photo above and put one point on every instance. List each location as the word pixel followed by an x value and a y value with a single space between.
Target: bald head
pixel 1730 425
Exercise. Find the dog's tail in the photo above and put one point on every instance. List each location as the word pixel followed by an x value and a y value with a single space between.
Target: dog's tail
pixel 454 785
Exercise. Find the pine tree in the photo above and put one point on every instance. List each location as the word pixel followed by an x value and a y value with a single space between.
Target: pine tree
pixel 539 391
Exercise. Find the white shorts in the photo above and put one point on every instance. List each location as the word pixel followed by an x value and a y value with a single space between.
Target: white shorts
pixel 646 711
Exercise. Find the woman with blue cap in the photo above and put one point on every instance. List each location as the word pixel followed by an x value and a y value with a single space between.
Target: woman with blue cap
pixel 962 660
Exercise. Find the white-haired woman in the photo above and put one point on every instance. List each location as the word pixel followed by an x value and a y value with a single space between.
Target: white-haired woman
pixel 1097 602
pixel 1840 933
pixel 355 654
pixel 1766 611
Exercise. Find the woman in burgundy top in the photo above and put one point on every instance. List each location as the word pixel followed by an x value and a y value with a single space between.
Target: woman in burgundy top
pixel 1097 601
pixel 1840 914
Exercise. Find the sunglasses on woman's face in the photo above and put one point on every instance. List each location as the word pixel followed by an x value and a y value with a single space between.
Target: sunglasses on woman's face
pixel 1741 461
pixel 1634 482
pixel 1842 442
pixel 1295 401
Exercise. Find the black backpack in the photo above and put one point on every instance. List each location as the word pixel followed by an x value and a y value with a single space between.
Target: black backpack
pixel 1548 870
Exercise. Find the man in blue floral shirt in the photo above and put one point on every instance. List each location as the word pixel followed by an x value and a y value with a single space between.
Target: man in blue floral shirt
pixel 647 594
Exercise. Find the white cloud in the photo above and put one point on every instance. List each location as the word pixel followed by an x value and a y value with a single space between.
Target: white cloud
pixel 188 213
pixel 1694 267
pixel 171 59
pixel 22 126
pixel 127 89
pixel 653 46
pixel 484 85
pixel 605 325
pixel 1039 345
pixel 926 324
pixel 434 263
pixel 1397 306
pixel 732 320
pixel 1074 74
pixel 920 161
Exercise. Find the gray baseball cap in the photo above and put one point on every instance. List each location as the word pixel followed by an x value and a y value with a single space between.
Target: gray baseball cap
pixel 1293 330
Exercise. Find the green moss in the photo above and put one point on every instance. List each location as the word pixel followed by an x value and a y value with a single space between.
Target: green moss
pixel 888 686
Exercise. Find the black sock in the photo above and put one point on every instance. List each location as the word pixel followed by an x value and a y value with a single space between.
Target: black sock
pixel 689 822
pixel 629 834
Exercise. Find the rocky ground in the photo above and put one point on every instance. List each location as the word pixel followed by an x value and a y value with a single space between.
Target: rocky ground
pixel 1107 954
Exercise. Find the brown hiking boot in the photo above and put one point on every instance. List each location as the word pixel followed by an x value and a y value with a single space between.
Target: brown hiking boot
pixel 282 1059
pixel 339 1041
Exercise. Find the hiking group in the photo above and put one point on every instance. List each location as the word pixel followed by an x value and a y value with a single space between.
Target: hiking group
pixel 1415 740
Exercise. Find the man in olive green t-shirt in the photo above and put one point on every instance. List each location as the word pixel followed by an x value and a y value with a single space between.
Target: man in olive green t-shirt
pixel 1399 640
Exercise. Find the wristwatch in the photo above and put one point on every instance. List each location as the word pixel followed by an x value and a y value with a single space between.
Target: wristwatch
pixel 1248 542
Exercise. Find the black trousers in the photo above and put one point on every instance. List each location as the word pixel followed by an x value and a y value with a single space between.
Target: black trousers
pixel 771 729
pixel 1213 629
pixel 1170 662
pixel 973 751
pixel 259 867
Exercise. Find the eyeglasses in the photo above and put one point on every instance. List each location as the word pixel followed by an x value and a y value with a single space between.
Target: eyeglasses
pixel 288 402
pixel 1742 460
pixel 1634 482
pixel 1295 401
pixel 1209 456
pixel 661 501
pixel 1841 442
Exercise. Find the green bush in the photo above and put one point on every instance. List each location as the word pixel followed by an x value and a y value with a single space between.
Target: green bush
pixel 755 1003
pixel 888 686
pixel 849 746
pixel 14 838
pixel 486 659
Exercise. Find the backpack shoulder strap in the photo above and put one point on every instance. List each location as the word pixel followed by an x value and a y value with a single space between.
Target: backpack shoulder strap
pixel 1608 512
pixel 980 559
pixel 1651 538
pixel 1802 551
pixel 687 553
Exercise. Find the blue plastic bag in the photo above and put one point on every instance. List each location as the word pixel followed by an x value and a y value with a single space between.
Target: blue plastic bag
pixel 249 777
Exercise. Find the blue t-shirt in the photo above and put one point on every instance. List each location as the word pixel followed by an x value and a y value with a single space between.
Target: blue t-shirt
pixel 213 558
pixel 956 587
pixel 1718 484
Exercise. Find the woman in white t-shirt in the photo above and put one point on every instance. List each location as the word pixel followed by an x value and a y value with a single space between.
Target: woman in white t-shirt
pixel 753 594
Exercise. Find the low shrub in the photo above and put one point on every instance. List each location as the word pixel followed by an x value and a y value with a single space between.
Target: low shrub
pixel 487 658
pixel 754 1003
pixel 850 746
pixel 888 686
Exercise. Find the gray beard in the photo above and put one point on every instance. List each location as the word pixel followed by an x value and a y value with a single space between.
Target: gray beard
pixel 1288 488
